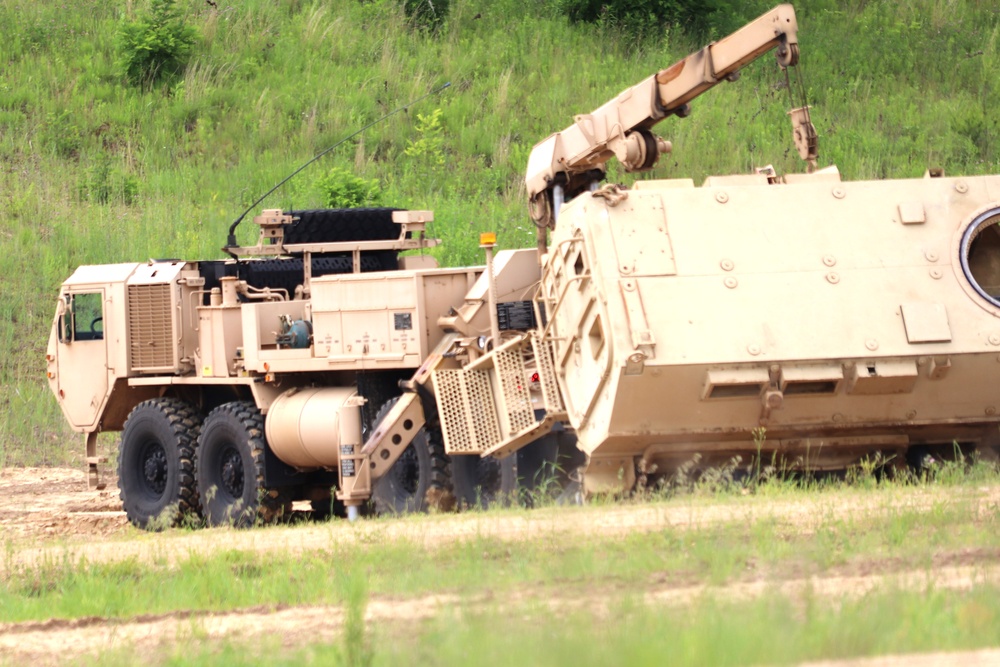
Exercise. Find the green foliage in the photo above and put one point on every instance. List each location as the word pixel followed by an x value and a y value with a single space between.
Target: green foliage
pixel 155 46
pixel 429 147
pixel 427 14
pixel 340 188
pixel 105 182
pixel 700 18
pixel 62 134
pixel 895 86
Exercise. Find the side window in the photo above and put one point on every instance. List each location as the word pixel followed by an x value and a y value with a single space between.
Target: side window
pixel 88 316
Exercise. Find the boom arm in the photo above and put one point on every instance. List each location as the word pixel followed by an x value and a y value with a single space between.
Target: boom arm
pixel 576 157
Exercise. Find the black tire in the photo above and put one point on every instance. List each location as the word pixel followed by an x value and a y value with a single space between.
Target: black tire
pixel 331 225
pixel 422 467
pixel 286 272
pixel 230 470
pixel 545 470
pixel 156 463
pixel 482 482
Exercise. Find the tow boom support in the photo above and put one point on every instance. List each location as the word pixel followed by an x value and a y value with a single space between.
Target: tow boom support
pixel 576 157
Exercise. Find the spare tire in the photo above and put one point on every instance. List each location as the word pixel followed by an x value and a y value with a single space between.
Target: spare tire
pixel 330 225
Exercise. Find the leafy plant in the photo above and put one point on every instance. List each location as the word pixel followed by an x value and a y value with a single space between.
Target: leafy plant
pixel 105 182
pixel 430 145
pixel 155 46
pixel 342 189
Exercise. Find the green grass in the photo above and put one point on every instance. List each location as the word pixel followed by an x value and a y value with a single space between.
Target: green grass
pixel 752 543
pixel 772 629
pixel 895 87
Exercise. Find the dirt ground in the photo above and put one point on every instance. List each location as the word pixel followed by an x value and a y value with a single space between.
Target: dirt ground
pixel 51 512
pixel 55 502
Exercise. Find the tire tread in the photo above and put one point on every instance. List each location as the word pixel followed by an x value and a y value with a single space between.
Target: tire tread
pixel 185 422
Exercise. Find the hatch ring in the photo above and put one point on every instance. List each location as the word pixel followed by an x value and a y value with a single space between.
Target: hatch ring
pixel 979 254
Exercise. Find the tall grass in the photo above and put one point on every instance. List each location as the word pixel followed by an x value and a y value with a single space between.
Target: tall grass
pixel 896 86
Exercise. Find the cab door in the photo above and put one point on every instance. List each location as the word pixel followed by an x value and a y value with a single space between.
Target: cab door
pixel 82 356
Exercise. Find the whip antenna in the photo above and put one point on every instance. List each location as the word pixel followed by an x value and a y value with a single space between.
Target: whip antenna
pixel 231 241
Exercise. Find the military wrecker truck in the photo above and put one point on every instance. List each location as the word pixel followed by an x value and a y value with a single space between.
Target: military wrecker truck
pixel 651 326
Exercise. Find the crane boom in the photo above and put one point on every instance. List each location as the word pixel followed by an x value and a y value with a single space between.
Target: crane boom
pixel 576 157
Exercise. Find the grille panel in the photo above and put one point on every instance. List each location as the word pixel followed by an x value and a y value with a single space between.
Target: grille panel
pixel 150 328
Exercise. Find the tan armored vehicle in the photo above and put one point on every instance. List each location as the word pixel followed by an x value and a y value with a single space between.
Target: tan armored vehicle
pixel 651 325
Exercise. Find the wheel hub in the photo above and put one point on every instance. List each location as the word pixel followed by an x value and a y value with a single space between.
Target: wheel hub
pixel 232 472
pixel 154 468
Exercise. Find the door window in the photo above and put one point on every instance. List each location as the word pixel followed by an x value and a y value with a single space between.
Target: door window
pixel 88 316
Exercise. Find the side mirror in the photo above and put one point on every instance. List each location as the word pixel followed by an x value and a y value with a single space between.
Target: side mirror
pixel 65 308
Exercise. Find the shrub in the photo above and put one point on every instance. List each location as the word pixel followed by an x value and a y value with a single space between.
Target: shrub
pixel 430 145
pixel 342 189
pixel 62 133
pixel 104 182
pixel 428 14
pixel 699 18
pixel 155 46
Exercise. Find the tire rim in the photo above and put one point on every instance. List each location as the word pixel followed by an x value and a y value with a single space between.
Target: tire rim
pixel 154 467
pixel 231 470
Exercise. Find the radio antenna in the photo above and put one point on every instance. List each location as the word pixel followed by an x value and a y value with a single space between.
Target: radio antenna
pixel 231 241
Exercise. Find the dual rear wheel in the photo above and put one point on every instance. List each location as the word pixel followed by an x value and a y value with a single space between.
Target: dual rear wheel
pixel 162 483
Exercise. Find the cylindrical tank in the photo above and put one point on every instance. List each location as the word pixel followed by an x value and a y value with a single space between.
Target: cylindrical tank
pixel 307 427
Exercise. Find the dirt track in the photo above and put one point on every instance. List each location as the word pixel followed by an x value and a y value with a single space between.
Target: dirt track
pixel 51 513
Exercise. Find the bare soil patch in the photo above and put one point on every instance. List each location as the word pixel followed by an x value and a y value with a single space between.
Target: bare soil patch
pixel 56 502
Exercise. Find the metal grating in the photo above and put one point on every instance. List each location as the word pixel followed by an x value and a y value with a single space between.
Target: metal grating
pixel 509 367
pixel 465 405
pixel 547 374
pixel 451 409
pixel 150 328
pixel 481 410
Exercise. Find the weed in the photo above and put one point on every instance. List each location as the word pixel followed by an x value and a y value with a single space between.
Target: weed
pixel 357 645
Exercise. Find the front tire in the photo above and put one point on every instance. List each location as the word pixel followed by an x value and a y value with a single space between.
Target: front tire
pixel 156 463
pixel 231 468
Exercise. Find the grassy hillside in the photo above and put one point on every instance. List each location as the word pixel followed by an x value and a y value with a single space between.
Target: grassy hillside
pixel 96 170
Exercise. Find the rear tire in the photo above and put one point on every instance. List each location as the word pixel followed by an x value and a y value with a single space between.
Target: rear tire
pixel 482 482
pixel 420 477
pixel 230 470
pixel 546 470
pixel 156 463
